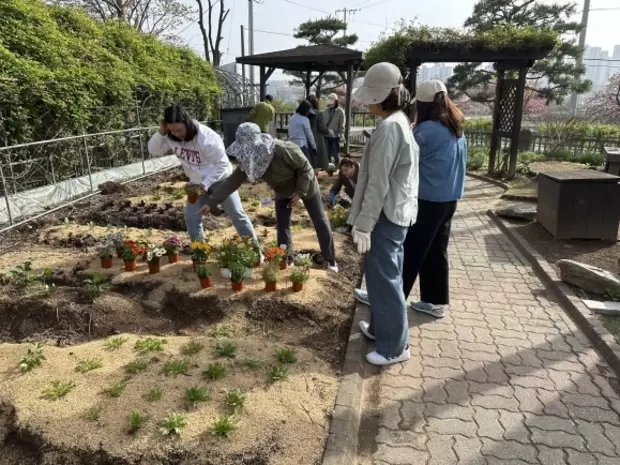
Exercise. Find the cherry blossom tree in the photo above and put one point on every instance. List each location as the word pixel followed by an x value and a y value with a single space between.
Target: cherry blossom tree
pixel 604 106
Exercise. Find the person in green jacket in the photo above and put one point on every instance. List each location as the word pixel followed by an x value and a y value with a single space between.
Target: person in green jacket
pixel 263 113
pixel 285 169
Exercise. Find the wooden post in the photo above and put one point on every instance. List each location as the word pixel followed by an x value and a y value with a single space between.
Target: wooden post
pixel 516 126
pixel 495 137
pixel 347 127
pixel 262 84
pixel 307 79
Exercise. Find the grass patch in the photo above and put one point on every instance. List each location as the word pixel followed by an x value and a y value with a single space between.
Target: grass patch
pixel 150 344
pixel 226 349
pixel 197 394
pixel 153 395
pixel 192 348
pixel 114 343
pixel 137 366
pixel 33 358
pixel 220 331
pixel 253 363
pixel 173 424
pixel 115 389
pixel 94 414
pixel 223 426
pixel 277 373
pixel 286 356
pixel 215 371
pixel 136 421
pixel 235 399
pixel 88 364
pixel 58 390
pixel 176 367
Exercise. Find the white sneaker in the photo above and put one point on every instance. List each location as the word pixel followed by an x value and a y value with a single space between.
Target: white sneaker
pixel 430 309
pixel 365 329
pixel 362 296
pixel 379 360
pixel 332 266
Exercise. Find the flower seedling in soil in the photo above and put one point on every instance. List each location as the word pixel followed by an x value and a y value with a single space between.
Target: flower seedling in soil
pixel 220 331
pixel 192 348
pixel 338 217
pixel 253 363
pixel 150 344
pixel 114 343
pixel 226 349
pixel 88 364
pixel 173 424
pixel 153 395
pixel 136 421
pixel 24 276
pixel 277 373
pixel 178 194
pixel 58 390
pixel 33 358
pixel 115 389
pixel 96 285
pixel 235 399
pixel 138 365
pixel 197 394
pixel 303 260
pixel 176 367
pixel 94 413
pixel 223 426
pixel 286 356
pixel 215 371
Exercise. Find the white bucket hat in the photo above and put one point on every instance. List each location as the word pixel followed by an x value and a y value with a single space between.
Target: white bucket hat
pixel 428 89
pixel 331 98
pixel 379 81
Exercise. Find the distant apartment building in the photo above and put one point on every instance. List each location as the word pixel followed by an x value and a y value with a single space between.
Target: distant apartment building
pixel 601 65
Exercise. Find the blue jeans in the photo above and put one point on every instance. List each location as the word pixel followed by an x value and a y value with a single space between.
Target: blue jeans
pixel 383 267
pixel 231 206
pixel 333 149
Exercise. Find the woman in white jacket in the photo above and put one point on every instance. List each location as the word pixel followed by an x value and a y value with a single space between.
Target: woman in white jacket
pixel 203 157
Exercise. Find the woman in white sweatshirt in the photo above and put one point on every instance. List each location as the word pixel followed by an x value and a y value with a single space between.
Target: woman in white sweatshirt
pixel 203 157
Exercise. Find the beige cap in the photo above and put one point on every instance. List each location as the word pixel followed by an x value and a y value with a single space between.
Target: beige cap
pixel 331 98
pixel 379 81
pixel 428 89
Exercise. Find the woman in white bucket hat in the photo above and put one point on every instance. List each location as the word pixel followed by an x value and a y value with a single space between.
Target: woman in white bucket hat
pixel 384 206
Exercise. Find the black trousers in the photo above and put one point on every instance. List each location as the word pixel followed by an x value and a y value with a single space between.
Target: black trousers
pixel 426 252
pixel 317 215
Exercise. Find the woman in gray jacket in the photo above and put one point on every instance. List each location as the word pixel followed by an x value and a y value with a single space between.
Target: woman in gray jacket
pixel 334 120
pixel 384 206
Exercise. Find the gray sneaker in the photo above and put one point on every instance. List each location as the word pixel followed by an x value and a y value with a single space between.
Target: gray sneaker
pixel 430 309
pixel 362 296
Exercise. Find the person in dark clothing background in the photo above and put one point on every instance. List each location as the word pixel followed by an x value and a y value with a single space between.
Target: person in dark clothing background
pixel 347 177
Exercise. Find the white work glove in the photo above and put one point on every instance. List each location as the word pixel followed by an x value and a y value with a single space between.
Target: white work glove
pixel 362 239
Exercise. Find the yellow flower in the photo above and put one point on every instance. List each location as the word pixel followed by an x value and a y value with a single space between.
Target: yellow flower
pixel 200 246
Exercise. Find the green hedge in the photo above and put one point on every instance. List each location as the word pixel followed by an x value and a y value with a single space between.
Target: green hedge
pixel 62 73
pixel 571 129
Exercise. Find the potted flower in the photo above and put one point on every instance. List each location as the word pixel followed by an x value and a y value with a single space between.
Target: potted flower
pixel 117 239
pixel 249 255
pixel 192 191
pixel 338 217
pixel 144 245
pixel 271 276
pixel 200 253
pixel 237 276
pixel 228 253
pixel 106 254
pixel 304 260
pixel 299 276
pixel 173 247
pixel 131 251
pixel 204 275
pixel 153 257
pixel 277 255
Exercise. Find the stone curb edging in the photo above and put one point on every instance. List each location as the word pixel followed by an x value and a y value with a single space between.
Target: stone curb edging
pixel 341 447
pixel 484 178
pixel 587 322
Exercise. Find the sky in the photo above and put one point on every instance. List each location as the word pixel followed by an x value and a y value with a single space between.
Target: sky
pixel 275 21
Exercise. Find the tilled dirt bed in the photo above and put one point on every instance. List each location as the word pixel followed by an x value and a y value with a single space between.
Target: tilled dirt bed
pixel 246 377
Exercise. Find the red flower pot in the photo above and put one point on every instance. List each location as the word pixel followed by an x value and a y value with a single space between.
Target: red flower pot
pixel 297 287
pixel 154 268
pixel 106 263
pixel 173 258
pixel 284 264
pixel 270 286
pixel 192 198
pixel 130 265
pixel 119 252
pixel 207 282
pixel 236 286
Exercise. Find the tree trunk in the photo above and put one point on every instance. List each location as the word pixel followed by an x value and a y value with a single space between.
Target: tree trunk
pixel 203 31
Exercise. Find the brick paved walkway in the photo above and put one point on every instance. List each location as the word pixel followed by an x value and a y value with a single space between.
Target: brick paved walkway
pixel 505 378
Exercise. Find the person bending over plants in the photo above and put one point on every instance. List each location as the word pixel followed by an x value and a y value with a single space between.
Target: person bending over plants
pixel 204 161
pixel 286 170
pixel 347 177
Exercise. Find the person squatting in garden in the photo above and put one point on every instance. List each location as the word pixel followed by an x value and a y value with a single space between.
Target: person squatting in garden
pixel 443 160
pixel 287 171
pixel 384 207
pixel 347 177
pixel 204 161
